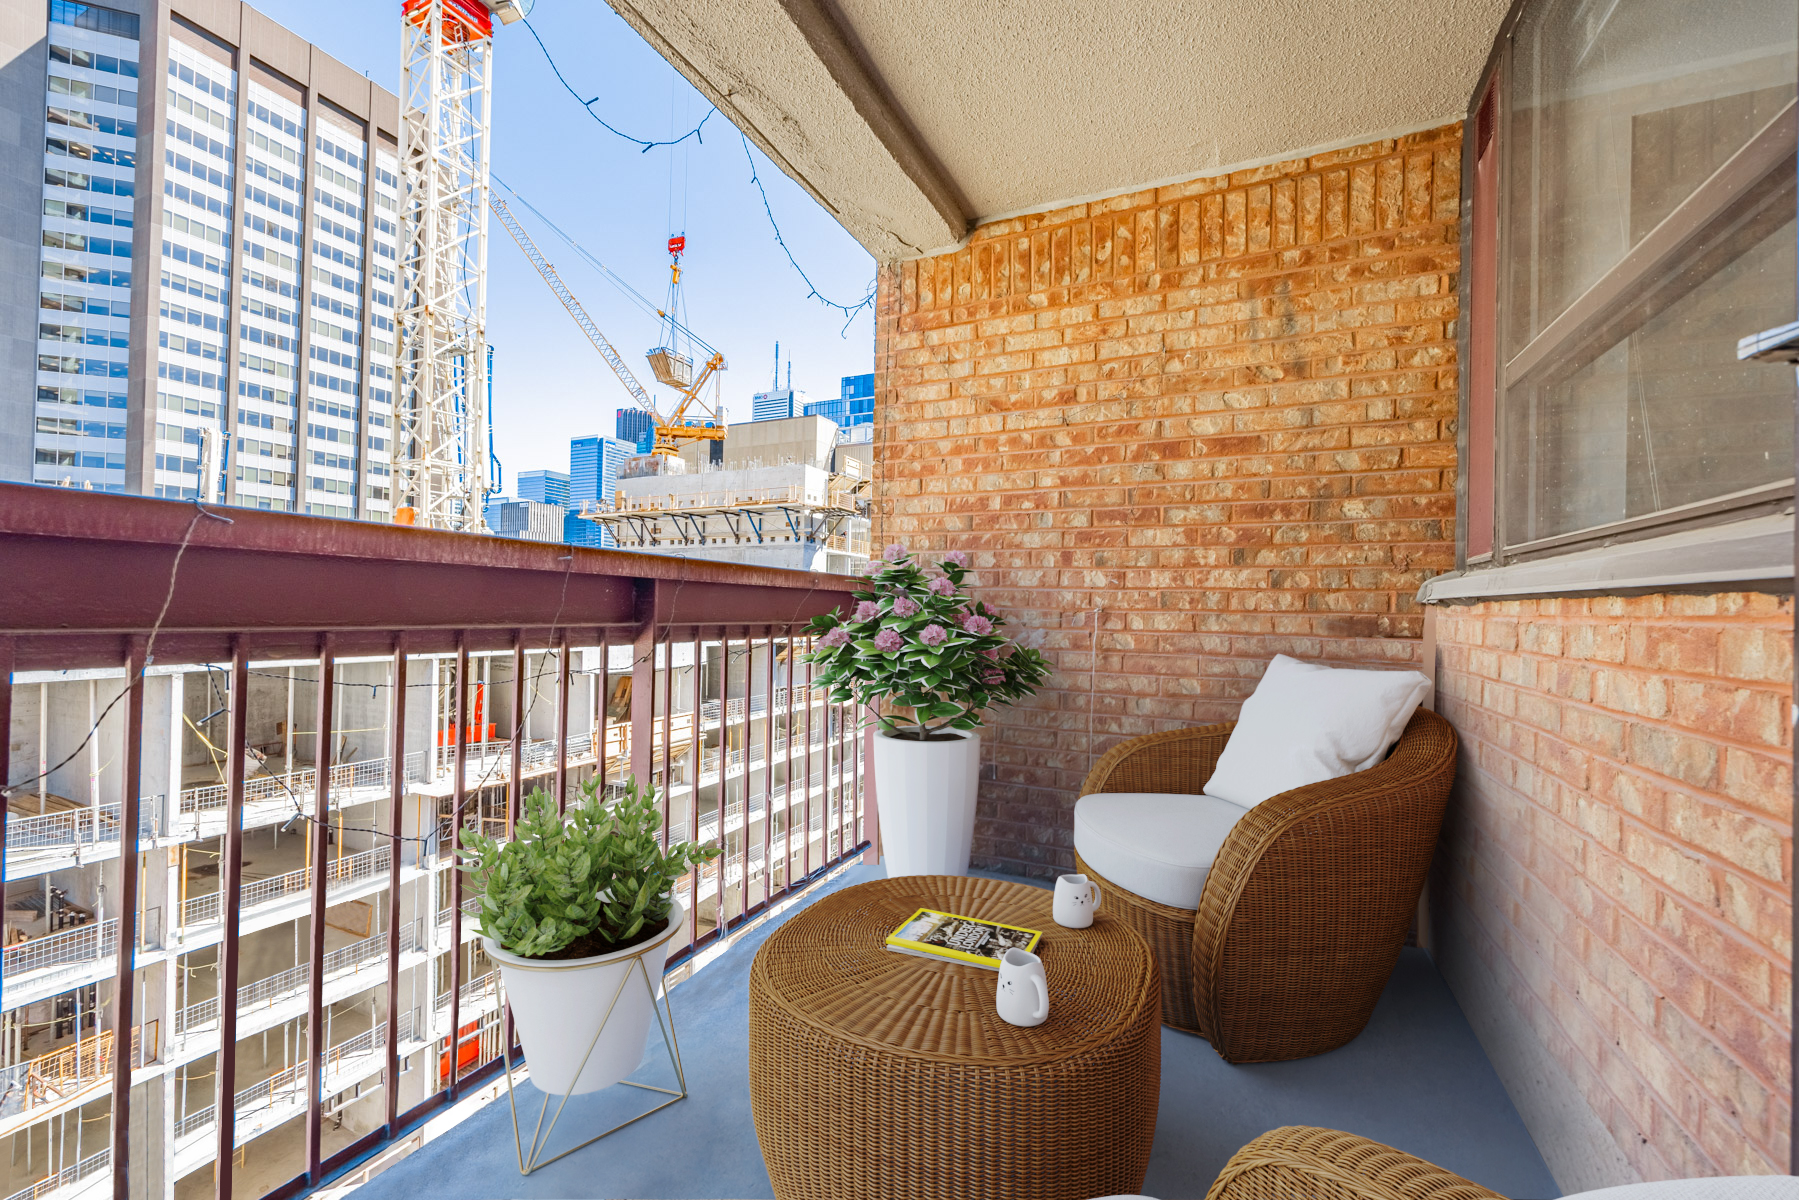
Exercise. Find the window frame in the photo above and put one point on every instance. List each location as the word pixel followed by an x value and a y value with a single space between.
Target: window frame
pixel 1605 310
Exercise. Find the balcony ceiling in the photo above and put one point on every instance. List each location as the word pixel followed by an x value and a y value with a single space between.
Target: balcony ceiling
pixel 913 120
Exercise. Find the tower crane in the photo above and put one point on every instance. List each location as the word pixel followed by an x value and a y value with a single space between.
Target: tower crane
pixel 440 476
pixel 692 419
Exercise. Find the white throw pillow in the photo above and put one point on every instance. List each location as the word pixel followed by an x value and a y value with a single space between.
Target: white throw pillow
pixel 1306 723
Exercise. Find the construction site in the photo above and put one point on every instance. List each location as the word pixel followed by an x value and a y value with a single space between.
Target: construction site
pixel 744 749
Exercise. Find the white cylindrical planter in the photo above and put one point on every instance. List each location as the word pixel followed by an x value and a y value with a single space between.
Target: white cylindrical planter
pixel 559 1004
pixel 925 794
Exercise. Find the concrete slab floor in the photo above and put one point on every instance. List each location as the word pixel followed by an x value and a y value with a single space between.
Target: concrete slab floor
pixel 1416 1078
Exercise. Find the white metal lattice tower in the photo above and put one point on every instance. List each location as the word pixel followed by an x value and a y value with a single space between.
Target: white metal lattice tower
pixel 446 90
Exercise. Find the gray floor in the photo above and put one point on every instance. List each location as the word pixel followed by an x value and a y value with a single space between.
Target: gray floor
pixel 1415 1078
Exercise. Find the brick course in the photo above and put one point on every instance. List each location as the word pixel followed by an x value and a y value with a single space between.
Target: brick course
pixel 1619 854
pixel 1221 411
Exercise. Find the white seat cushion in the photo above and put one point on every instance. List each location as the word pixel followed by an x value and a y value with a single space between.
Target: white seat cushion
pixel 1717 1187
pixel 1153 844
pixel 1306 723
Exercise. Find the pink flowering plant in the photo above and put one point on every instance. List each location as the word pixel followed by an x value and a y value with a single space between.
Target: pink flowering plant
pixel 918 645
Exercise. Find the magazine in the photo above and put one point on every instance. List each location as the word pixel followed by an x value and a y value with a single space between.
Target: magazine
pixel 929 933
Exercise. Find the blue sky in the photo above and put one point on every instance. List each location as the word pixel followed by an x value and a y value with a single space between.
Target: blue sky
pixel 741 293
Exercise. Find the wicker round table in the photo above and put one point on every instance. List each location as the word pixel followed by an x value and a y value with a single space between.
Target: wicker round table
pixel 884 1076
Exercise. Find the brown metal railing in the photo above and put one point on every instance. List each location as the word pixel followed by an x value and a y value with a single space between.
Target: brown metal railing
pixel 556 650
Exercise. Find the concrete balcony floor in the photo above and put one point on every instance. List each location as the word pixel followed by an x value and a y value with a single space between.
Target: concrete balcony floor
pixel 1416 1078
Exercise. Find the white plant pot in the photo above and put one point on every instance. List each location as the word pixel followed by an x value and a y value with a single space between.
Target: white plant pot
pixel 559 1004
pixel 925 794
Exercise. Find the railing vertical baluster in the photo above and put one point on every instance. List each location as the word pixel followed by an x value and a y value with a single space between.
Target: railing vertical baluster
pixel 842 773
pixel 562 726
pixel 667 649
pixel 871 801
pixel 768 772
pixel 599 696
pixel 743 839
pixel 315 990
pixel 395 819
pixel 643 686
pixel 458 797
pixel 697 749
pixel 124 989
pixel 515 786
pixel 7 658
pixel 787 740
pixel 724 772
pixel 806 837
pixel 231 884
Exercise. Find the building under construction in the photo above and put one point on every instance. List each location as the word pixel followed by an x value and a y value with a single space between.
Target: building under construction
pixel 783 494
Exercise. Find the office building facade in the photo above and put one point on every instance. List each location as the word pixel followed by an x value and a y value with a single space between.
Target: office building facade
pixel 636 428
pixel 213 264
pixel 853 407
pixel 593 467
pixel 779 404
pixel 545 487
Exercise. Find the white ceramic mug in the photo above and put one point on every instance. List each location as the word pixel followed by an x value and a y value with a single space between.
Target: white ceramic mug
pixel 1023 997
pixel 1077 899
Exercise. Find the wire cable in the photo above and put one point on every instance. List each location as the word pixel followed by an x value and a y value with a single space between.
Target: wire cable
pixel 645 145
pixel 849 311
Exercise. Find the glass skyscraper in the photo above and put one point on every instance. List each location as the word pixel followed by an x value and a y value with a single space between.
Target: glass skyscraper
pixel 218 254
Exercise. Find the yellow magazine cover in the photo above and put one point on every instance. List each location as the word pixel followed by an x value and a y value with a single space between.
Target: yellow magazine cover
pixel 929 933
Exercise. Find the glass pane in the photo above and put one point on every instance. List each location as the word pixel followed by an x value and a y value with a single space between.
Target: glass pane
pixel 1617 113
pixel 1666 415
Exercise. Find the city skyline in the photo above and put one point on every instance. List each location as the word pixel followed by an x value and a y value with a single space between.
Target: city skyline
pixel 741 293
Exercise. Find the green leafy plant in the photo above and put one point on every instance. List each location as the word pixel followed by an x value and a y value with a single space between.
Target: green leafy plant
pixel 574 885
pixel 917 643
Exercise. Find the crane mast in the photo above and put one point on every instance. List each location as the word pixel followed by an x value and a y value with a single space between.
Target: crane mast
pixel 440 469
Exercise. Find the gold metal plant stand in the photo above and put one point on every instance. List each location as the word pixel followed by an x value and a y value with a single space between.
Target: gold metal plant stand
pixel 540 1136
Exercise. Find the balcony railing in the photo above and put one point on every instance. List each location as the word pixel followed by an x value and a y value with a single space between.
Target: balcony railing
pixel 285 985
pixel 339 873
pixel 298 785
pixel 90 1166
pixel 288 1087
pixel 429 623
pixel 73 827
pixel 61 1074
pixel 82 944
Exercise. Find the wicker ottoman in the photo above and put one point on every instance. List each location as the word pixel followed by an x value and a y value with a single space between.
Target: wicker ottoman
pixel 880 1076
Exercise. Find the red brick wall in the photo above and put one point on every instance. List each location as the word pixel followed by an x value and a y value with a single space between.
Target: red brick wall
pixel 1619 854
pixel 1222 411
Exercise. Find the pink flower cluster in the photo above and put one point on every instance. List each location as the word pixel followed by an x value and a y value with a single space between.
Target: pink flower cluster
pixel 904 606
pixel 941 586
pixel 933 635
pixel 837 637
pixel 976 624
pixel 868 610
pixel 957 557
pixel 887 641
pixel 993 676
pixel 894 552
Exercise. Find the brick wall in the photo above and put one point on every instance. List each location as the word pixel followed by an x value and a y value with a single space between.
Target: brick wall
pixel 1221 411
pixel 1619 856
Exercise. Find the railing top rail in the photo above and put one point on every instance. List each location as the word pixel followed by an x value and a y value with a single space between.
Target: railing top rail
pixel 88 567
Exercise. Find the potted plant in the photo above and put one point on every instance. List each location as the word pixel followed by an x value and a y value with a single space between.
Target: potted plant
pixel 568 907
pixel 926 659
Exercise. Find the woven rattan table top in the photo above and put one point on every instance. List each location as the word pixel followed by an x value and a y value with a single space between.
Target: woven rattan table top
pixel 829 967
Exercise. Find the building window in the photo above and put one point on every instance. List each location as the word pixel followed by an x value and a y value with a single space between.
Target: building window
pixel 1632 218
pixel 94 17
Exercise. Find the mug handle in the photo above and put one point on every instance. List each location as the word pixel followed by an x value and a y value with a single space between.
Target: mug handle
pixel 1096 894
pixel 1042 998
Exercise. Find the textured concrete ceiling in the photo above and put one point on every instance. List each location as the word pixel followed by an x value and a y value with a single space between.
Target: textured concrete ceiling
pixel 912 120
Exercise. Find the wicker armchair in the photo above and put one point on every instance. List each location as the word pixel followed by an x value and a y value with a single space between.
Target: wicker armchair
pixel 1308 901
pixel 1323 1164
